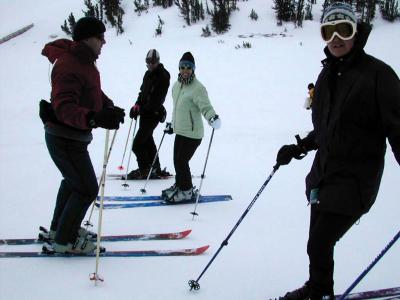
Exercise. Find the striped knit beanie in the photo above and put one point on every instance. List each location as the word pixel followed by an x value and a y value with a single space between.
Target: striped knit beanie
pixel 152 57
pixel 339 11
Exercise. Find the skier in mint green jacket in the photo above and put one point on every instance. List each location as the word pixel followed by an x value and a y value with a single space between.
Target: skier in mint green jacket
pixel 190 102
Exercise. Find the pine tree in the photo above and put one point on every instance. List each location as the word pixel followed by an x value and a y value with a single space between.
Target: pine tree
pixel 206 31
pixel 253 15
pixel 184 8
pixel 68 28
pixel 299 13
pixel 159 26
pixel 140 7
pixel 308 10
pixel 163 3
pixel 90 12
pixel 220 16
pixel 284 10
pixel 389 10
pixel 65 28
pixel 114 14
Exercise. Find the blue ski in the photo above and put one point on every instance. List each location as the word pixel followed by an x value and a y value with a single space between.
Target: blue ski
pixel 375 294
pixel 156 197
pixel 149 201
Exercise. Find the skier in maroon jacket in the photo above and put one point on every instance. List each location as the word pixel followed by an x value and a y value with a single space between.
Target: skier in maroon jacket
pixel 77 105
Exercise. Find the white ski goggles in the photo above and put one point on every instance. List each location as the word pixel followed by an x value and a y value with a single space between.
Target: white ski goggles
pixel 343 29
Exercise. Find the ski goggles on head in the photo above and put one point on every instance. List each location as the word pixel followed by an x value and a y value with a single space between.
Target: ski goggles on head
pixel 343 29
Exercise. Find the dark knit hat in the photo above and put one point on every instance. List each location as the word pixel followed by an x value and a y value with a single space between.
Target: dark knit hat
pixel 87 27
pixel 339 11
pixel 187 58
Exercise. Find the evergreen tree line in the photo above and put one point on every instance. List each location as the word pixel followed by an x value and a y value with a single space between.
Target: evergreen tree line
pixel 110 11
pixel 298 10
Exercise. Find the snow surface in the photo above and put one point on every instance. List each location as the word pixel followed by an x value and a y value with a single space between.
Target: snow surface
pixel 259 94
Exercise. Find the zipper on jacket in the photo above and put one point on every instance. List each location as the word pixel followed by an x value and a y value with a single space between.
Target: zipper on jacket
pixel 191 120
pixel 176 105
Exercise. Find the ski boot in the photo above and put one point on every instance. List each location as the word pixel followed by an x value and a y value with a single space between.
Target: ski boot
pixel 82 246
pixel 45 235
pixel 302 293
pixel 84 233
pixel 183 196
pixel 169 192
pixel 163 173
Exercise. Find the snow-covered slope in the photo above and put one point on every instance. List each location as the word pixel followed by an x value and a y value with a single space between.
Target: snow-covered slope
pixel 259 94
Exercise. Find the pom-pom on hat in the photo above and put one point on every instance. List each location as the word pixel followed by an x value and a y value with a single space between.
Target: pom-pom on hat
pixel 87 27
pixel 339 11
pixel 187 59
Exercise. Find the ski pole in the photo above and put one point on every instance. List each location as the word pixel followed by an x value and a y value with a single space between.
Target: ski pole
pixel 95 276
pixel 143 190
pixel 102 177
pixel 194 213
pixel 130 154
pixel 194 284
pixel 365 272
pixel 121 166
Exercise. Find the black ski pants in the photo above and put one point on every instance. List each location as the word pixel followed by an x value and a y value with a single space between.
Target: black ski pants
pixel 78 188
pixel 143 145
pixel 184 148
pixel 326 229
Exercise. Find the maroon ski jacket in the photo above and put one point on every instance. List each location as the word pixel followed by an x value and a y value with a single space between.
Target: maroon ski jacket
pixel 75 82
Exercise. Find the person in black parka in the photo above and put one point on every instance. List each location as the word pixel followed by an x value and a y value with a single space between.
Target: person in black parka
pixel 149 106
pixel 356 107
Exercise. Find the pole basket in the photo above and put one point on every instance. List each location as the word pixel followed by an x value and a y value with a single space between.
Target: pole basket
pixel 194 285
pixel 96 277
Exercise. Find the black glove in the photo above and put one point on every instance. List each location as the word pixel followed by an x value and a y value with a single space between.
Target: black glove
pixel 46 112
pixel 168 128
pixel 287 152
pixel 162 114
pixel 108 118
pixel 134 112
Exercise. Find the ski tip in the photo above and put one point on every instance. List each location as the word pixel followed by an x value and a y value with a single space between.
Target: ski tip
pixel 184 233
pixel 201 250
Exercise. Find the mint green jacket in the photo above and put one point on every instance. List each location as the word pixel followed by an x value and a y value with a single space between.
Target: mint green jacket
pixel 190 102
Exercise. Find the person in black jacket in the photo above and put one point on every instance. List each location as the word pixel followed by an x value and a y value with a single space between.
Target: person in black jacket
pixel 149 106
pixel 356 107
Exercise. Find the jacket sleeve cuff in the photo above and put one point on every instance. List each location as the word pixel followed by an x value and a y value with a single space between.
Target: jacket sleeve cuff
pixel 90 121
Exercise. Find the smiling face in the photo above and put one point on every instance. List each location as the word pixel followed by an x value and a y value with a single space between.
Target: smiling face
pixel 186 71
pixel 339 48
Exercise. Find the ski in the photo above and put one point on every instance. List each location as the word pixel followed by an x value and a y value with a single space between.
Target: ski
pixel 150 201
pixel 126 253
pixel 157 177
pixel 122 177
pixel 375 294
pixel 159 198
pixel 110 238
